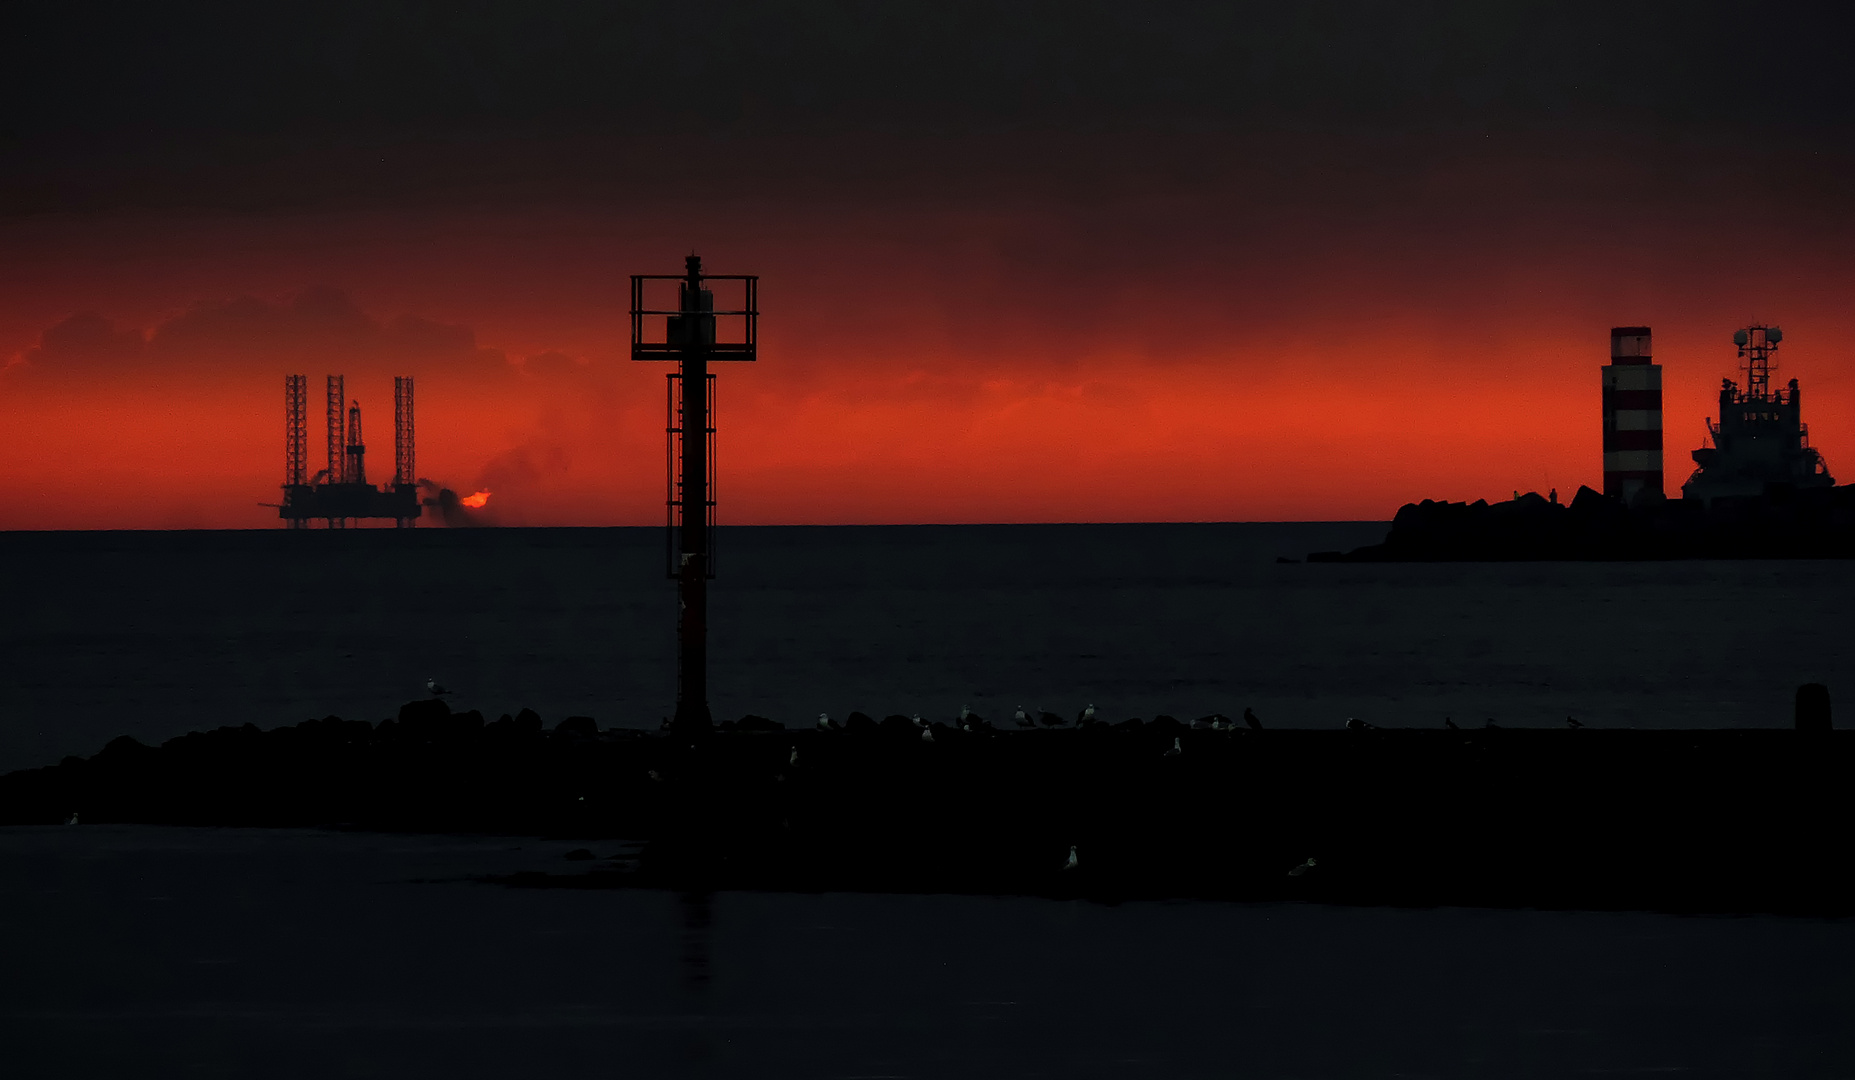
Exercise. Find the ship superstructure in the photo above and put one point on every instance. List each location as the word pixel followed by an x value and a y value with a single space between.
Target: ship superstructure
pixel 1760 443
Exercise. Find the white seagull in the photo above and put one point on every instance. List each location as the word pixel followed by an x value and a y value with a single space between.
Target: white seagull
pixel 72 820
pixel 794 759
pixel 927 734
pixel 1023 718
pixel 1071 864
pixel 1302 869
pixel 432 685
pixel 1176 748
pixel 920 723
pixel 1087 716
pixel 824 722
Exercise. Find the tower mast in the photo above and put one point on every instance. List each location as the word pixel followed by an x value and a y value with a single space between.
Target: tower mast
pixel 690 337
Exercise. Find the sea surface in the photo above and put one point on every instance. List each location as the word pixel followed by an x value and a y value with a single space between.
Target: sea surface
pixel 155 634
pixel 155 952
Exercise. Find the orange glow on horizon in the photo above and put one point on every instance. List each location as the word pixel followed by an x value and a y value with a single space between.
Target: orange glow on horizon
pixel 1336 379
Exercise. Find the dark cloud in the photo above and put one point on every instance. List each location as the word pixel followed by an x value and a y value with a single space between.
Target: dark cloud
pixel 314 332
pixel 388 103
pixel 88 342
pixel 803 65
pixel 553 365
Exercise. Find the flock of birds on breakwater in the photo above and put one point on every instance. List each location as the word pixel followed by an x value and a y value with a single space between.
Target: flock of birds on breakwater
pixel 971 721
pixel 1024 719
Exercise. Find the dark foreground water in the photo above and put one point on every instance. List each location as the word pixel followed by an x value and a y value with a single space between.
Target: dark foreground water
pixel 153 952
pixel 156 634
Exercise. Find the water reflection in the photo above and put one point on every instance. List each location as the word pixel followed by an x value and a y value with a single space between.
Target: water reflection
pixel 698 913
pixel 697 910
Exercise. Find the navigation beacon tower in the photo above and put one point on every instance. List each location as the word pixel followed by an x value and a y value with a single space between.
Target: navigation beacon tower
pixel 693 332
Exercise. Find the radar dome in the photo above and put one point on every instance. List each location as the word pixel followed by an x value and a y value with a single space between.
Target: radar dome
pixel 1740 337
pixel 1774 335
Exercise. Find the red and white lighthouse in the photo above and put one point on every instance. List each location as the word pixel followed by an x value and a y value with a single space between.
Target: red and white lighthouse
pixel 1632 418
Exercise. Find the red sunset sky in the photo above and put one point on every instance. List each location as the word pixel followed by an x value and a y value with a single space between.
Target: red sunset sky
pixel 1221 297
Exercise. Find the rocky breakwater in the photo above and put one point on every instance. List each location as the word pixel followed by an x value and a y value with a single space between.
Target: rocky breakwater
pixel 1750 820
pixel 1779 524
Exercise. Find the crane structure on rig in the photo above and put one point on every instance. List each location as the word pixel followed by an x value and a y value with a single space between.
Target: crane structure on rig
pixel 340 493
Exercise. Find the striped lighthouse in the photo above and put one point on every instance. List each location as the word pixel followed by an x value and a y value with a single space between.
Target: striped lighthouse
pixel 1632 418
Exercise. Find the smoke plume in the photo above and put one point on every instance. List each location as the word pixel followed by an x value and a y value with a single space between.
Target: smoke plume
pixel 450 508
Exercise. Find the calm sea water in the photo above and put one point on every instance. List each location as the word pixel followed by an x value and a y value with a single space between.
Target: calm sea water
pixel 203 952
pixel 145 952
pixel 158 633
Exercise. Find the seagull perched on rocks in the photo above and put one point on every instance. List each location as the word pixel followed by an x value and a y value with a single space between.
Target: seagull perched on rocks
pixel 1022 718
pixel 1048 718
pixel 1176 748
pixel 1086 716
pixel 1071 864
pixel 1302 869
pixel 1353 724
pixel 927 734
pixel 1249 717
pixel 794 759
pixel 1450 724
pixel 1569 722
pixel 920 723
pixel 437 690
pixel 825 723
pixel 72 820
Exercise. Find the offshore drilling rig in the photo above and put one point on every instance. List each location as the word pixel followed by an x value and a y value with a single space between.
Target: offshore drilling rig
pixel 340 493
